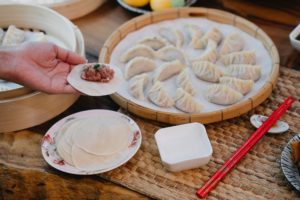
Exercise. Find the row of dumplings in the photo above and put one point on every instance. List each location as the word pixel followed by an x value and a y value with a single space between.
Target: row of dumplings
pixel 15 36
pixel 238 80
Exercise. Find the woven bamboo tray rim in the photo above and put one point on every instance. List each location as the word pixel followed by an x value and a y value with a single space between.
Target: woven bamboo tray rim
pixel 211 14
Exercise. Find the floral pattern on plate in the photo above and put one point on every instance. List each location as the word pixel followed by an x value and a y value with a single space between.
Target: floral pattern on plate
pixel 52 157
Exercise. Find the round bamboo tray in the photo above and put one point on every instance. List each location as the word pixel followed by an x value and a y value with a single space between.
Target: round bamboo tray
pixel 23 108
pixel 211 14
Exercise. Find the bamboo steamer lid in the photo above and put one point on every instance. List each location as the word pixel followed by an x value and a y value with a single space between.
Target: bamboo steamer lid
pixel 72 9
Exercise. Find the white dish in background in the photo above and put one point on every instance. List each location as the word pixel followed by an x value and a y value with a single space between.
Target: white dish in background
pixel 295 43
pixel 277 128
pixel 184 146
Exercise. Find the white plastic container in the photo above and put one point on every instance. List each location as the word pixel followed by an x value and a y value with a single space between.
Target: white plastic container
pixel 184 146
pixel 295 43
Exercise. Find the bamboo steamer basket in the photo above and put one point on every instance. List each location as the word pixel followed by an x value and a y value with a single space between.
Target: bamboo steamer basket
pixel 72 9
pixel 211 14
pixel 23 108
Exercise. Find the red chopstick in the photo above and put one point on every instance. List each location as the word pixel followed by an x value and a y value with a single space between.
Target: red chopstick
pixel 242 151
pixel 210 181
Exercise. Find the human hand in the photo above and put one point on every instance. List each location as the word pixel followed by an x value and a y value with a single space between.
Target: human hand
pixel 44 66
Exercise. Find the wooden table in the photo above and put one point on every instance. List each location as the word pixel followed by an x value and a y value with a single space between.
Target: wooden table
pixel 24 175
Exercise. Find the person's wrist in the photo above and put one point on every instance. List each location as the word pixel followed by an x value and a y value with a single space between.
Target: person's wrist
pixel 8 58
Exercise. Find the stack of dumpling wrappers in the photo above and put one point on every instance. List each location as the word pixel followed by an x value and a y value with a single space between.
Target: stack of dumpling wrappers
pixel 93 143
pixel 224 62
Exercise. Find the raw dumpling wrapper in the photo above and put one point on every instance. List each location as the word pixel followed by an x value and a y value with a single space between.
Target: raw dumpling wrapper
pixel 99 137
pixel 155 42
pixel 139 50
pixel 137 84
pixel 90 162
pixel 222 94
pixel 159 96
pixel 232 43
pixel 242 57
pixel 13 36
pixel 245 72
pixel 170 53
pixel 242 86
pixel 183 80
pixel 93 88
pixel 207 71
pixel 213 34
pixel 139 65
pixel 167 70
pixel 186 103
pixel 210 54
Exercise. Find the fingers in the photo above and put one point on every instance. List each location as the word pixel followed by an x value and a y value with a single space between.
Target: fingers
pixel 68 89
pixel 69 56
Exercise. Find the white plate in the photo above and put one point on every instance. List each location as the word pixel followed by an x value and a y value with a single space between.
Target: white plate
pixel 288 166
pixel 92 88
pixel 278 127
pixel 52 157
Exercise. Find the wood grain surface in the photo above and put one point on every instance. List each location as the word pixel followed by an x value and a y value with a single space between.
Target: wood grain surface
pixel 25 175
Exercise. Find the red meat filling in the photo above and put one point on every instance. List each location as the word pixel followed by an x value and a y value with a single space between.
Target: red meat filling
pixel 98 73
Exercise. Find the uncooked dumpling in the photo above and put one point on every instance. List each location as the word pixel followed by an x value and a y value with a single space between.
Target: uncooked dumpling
pixel 13 36
pixel 213 34
pixel 242 57
pixel 1 35
pixel 173 36
pixel 167 70
pixel 245 72
pixel 186 103
pixel 139 65
pixel 206 71
pixel 210 54
pixel 242 86
pixel 232 43
pixel 139 50
pixel 183 80
pixel 3 88
pixel 99 137
pixel 154 42
pixel 159 96
pixel 37 37
pixel 137 84
pixel 170 53
pixel 222 94
pixel 194 33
